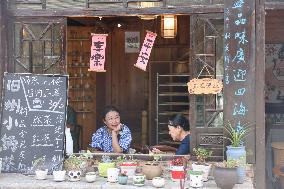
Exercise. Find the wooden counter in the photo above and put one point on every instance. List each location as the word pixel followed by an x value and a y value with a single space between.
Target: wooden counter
pixel 18 181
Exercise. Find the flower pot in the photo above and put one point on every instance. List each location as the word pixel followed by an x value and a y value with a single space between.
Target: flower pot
pixel 41 174
pixel 177 173
pixel 112 174
pixel 139 180
pixel 128 168
pixel 59 176
pixel 158 182
pixel 225 178
pixel 74 175
pixel 90 176
pixel 196 178
pixel 102 167
pixel 151 171
pixel 205 168
pixel 122 179
pixel 239 154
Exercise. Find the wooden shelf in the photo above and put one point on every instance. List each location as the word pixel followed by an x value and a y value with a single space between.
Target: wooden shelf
pixel 174 104
pixel 173 94
pixel 172 113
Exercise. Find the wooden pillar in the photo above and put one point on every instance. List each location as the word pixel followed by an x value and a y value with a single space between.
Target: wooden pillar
pixel 3 42
pixel 239 66
pixel 260 181
pixel 244 76
pixel 144 135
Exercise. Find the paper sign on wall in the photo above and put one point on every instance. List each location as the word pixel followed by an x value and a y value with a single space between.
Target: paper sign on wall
pixel 97 59
pixel 145 51
pixel 204 86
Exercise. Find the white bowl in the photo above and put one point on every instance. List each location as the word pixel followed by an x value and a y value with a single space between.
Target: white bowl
pixel 158 182
pixel 90 177
pixel 59 175
pixel 40 174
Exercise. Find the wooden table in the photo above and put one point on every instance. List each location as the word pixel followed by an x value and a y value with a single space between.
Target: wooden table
pixel 18 181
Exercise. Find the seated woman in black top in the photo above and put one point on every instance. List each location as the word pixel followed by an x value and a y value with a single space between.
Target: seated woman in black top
pixel 178 127
pixel 179 130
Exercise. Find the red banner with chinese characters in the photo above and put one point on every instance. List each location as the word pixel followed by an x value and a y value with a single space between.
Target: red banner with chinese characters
pixel 97 59
pixel 145 51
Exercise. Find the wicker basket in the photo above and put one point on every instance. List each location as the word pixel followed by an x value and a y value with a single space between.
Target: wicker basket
pixel 278 149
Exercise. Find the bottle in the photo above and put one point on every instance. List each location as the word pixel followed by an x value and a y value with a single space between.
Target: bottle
pixel 69 141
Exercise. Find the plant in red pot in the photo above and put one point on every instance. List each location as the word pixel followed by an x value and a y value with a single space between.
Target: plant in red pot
pixel 127 166
pixel 178 166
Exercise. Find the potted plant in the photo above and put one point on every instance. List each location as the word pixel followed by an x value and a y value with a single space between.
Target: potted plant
pixel 38 165
pixel 236 150
pixel 225 174
pixel 122 178
pixel 202 155
pixel 127 166
pixel 178 168
pixel 105 163
pixel 75 163
pixel 90 176
pixel 153 168
pixel 196 178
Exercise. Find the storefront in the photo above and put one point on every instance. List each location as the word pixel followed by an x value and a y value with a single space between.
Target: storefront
pixel 54 37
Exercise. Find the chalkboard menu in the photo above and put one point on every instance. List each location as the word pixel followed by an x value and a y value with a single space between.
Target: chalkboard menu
pixel 33 121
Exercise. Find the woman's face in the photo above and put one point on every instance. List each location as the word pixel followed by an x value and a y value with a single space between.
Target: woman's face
pixel 112 120
pixel 174 132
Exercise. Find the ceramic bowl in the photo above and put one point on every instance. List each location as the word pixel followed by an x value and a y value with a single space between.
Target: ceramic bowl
pixel 41 174
pixel 90 176
pixel 59 175
pixel 158 182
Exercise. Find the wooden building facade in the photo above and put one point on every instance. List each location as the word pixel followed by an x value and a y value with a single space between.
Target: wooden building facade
pixel 53 36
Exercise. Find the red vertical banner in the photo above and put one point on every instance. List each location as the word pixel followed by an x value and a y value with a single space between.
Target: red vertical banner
pixel 145 51
pixel 98 49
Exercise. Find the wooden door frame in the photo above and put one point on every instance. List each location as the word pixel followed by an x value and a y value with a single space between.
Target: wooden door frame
pixel 202 136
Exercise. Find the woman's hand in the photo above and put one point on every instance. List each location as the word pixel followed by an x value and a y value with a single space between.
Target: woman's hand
pixel 117 129
pixel 156 151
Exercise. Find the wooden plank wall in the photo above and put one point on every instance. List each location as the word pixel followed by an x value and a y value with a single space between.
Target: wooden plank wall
pixel 274 26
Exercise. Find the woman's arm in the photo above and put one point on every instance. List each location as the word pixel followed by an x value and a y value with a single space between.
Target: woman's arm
pixel 125 138
pixel 115 142
pixel 97 139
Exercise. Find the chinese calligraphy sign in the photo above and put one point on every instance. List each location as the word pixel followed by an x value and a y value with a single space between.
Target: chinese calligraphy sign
pixel 97 59
pixel 145 51
pixel 205 86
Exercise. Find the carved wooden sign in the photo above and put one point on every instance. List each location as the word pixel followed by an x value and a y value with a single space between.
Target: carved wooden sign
pixel 204 86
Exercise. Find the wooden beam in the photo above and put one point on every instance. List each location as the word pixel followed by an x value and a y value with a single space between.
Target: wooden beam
pixel 259 98
pixel 119 11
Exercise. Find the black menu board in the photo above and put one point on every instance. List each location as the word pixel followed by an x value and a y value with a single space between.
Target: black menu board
pixel 33 120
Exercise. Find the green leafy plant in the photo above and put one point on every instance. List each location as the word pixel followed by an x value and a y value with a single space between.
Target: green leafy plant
pixel 230 163
pixel 39 164
pixel 123 174
pixel 237 134
pixel 202 154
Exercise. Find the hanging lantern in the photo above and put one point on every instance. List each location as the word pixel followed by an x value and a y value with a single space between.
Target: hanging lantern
pixel 169 26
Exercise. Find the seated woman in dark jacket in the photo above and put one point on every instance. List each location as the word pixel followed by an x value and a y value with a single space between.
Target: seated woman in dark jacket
pixel 178 127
